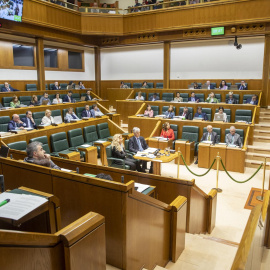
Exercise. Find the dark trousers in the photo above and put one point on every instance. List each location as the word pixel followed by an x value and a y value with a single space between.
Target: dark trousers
pixel 144 165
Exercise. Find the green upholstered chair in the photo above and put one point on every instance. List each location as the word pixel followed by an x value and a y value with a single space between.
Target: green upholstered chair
pixel 31 87
pixel 235 96
pixel 184 96
pixel 62 95
pixel 22 115
pixel 38 117
pixel 214 84
pixel 56 113
pixel 228 113
pixel 111 160
pixel 1 86
pixel 64 112
pixel 190 109
pixel 51 86
pixel 44 141
pixel 165 108
pixel 128 84
pixel 59 143
pixel 137 85
pixel 151 94
pixel 243 115
pixel 143 94
pixel 46 86
pixel 218 97
pixel 238 131
pixel 63 86
pixel 155 110
pixel 39 96
pixel 238 84
pixel 76 96
pixel 217 130
pixel 103 131
pixel 90 136
pixel 4 120
pixel 79 111
pixel 6 101
pixel 159 85
pixel 167 97
pixel 175 131
pixel 25 100
pixel 191 133
pixel 150 85
pixel 200 96
pixel 51 97
pixel 229 85
pixel 208 112
pixel 20 145
pixel 245 97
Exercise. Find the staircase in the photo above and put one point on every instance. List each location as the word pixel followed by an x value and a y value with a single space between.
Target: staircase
pixel 261 142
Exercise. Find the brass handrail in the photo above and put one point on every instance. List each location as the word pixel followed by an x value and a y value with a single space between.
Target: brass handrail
pixel 245 143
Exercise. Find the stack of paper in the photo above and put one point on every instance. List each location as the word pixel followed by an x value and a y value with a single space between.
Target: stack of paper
pixel 141 187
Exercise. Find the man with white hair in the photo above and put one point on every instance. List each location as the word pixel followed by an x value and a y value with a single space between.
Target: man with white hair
pixel 233 138
pixel 8 88
pixel 56 86
pixel 15 123
pixel 137 143
pixel 209 86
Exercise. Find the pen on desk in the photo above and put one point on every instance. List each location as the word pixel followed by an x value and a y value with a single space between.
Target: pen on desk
pixel 4 202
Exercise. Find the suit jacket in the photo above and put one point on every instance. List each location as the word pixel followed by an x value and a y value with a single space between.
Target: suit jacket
pixel 93 113
pixel 204 115
pixel 169 115
pixel 241 87
pixel 42 162
pixel 133 145
pixel 4 89
pixel 13 125
pixel 237 139
pixel 249 99
pixel 196 98
pixel 55 88
pixel 88 98
pixel 70 117
pixel 43 98
pixel 187 116
pixel 25 121
pixel 84 113
pixel 233 101
pixel 214 137
pixel 151 98
pixel 211 86
pixel 65 99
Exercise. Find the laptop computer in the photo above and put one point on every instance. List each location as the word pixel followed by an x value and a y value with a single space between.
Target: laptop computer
pixel 4 150
pixel 219 117
pixel 77 87
pixel 45 102
pixel 58 119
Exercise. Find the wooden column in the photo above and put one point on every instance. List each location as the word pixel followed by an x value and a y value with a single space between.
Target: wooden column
pixel 266 73
pixel 40 64
pixel 97 70
pixel 166 64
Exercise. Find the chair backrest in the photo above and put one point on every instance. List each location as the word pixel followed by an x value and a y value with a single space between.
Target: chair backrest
pixel 190 109
pixel 165 108
pixel 150 85
pixel 243 115
pixel 6 101
pixel 44 141
pixel 184 96
pixel 63 86
pixel 175 130
pixel 128 84
pixel 51 97
pixel 151 94
pixel 218 97
pixel 238 131
pixel 228 113
pixel 51 85
pixel 46 86
pixel 229 85
pixel 31 87
pixel 1 86
pixel 79 111
pixel 137 85
pixel 109 154
pixel 126 144
pixel 103 131
pixel 217 130
pixel 214 84
pixel 235 96
pixel 75 137
pixel 25 100
pixel 143 94
pixel 56 113
pixel 21 145
pixel 64 112
pixel 200 96
pixel 76 96
pixel 4 123
pixel 190 133
pixel 38 117
pixel 167 96
pixel 59 142
pixel 245 97
pixel 90 134
pixel 159 85
pixel 22 115
pixel 62 95
pixel 208 112
pixel 155 110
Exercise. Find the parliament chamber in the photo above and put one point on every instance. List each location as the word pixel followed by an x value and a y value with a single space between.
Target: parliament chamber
pixel 134 134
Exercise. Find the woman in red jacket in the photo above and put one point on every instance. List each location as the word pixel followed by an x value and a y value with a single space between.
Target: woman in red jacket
pixel 167 132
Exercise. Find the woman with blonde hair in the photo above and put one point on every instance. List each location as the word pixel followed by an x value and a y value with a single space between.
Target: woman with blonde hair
pixel 47 119
pixel 15 102
pixel 118 151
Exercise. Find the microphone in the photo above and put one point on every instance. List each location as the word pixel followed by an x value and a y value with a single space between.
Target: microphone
pixel 77 170
pixel 2 183
pixel 11 156
pixel 122 179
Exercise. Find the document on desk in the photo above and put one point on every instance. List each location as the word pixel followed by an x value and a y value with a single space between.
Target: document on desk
pixel 19 205
pixel 141 187
pixel 85 145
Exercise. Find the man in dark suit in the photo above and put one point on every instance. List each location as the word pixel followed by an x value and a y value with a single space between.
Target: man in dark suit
pixel 242 86
pixel 56 86
pixel 29 121
pixel 88 97
pixel 185 113
pixel 209 86
pixel 15 123
pixel 8 88
pixel 154 97
pixel 231 100
pixel 68 97
pixel 253 100
pixel 95 111
pixel 201 114
pixel 193 98
pixel 137 143
pixel 86 112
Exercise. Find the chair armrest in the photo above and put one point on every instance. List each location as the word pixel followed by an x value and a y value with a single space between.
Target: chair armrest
pixel 55 154
pixel 73 149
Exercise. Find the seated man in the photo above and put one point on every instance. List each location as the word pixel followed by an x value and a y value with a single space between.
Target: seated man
pixel 15 123
pixel 56 86
pixel 70 116
pixel 200 114
pixel 36 155
pixel 86 112
pixel 138 143
pixel 95 111
pixel 242 86
pixel 29 121
pixel 253 100
pixel 68 97
pixel 8 88
pixel 209 86
pixel 88 97
pixel 231 99
pixel 185 113
pixel 193 98
pixel 154 97
pixel 45 99
pixel 233 138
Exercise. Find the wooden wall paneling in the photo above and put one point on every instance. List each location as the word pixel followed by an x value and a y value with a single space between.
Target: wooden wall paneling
pixel 40 63
pixel 266 73
pixel 62 59
pixel 97 71
pixel 116 94
pixel 166 64
pixel 125 109
pixel 6 53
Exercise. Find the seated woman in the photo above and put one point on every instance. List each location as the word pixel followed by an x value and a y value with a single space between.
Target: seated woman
pixel 149 112
pixel 221 112
pixel 230 99
pixel 167 132
pixel 47 119
pixel 139 97
pixel 170 112
pixel 196 86
pixel 144 85
pixel 223 85
pixel 81 85
pixel 123 85
pixel 70 85
pixel 178 98
pixel 57 99
pixel 211 98
pixel 118 151
pixel 15 102
pixel 70 115
pixel 34 101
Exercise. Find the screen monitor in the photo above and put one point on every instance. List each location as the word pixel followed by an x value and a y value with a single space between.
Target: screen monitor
pixel 217 31
pixel 11 10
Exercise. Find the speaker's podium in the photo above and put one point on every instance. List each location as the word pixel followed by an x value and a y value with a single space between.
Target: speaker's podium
pixel 80 245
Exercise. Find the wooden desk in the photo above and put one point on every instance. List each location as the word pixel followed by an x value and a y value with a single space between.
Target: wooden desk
pixel 90 154
pixel 103 154
pixel 187 149
pixel 214 150
pixel 160 144
pixel 235 159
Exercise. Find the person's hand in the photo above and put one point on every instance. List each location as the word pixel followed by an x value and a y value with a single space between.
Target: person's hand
pixel 47 156
pixel 20 122
pixel 21 127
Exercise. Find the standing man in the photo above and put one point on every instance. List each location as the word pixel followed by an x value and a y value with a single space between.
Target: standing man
pixel 233 138
pixel 15 123
pixel 29 121
pixel 137 143
pixel 8 88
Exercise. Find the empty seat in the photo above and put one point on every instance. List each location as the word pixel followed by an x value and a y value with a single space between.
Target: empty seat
pixel 56 113
pixel 137 85
pixel 38 117
pixel 165 108
pixel 21 145
pixel 51 86
pixel 184 96
pixel 150 85
pixel 191 133
pixel 25 100
pixel 218 97
pixel 31 87
pixel 143 94
pixel 44 141
pixel 208 112
pixel 111 160
pixel 238 131
pixel 229 85
pixel 59 143
pixel 63 86
pixel 167 96
pixel 243 115
pixel 245 97
pixel 190 109
pixel 79 111
pixel 159 85
pixel 214 84
pixel 155 110
pixel 90 136
pixel 75 139
pixel 235 96
pixel 228 113
pixel 6 101
pixel 217 130
pixel 76 96
pixel 4 120
pixel 200 96
pixel 175 131
pixel 46 86
pixel 103 131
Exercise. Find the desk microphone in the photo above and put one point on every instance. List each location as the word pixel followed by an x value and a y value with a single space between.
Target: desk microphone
pixel 122 179
pixel 77 170
pixel 2 183
pixel 11 156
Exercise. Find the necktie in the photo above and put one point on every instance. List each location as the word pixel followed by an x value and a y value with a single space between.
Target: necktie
pixel 209 137
pixel 29 122
pixel 232 139
pixel 139 144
